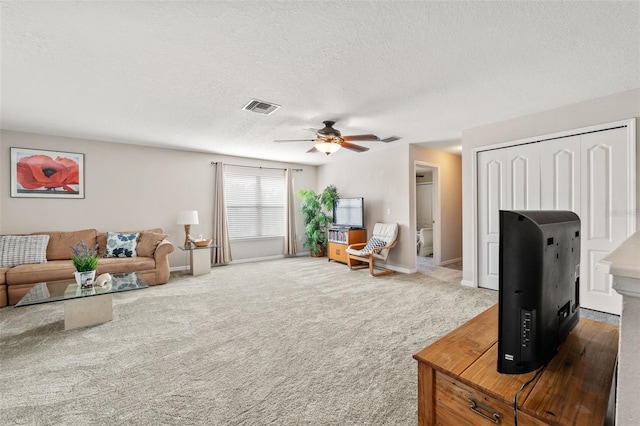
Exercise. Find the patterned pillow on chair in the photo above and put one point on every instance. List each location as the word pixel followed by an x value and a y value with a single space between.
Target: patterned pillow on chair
pixel 373 244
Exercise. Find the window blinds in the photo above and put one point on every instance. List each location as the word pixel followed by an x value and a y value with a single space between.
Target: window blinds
pixel 255 200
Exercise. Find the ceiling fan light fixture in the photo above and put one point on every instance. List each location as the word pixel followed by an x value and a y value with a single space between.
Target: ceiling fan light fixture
pixel 327 147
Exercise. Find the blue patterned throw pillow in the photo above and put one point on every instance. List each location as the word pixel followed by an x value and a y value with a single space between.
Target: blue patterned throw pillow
pixel 121 245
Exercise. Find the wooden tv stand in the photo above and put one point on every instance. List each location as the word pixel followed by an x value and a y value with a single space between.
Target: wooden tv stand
pixel 458 382
pixel 339 240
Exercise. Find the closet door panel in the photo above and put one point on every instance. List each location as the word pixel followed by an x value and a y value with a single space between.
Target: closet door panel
pixel 523 172
pixel 491 190
pixel 560 174
pixel 605 177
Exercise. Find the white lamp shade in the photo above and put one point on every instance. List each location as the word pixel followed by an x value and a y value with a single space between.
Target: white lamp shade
pixel 327 147
pixel 188 217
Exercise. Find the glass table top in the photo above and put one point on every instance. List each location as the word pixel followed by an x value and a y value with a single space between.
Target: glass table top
pixel 192 247
pixel 54 291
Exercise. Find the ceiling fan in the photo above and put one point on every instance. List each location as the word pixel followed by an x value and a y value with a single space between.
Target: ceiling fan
pixel 328 140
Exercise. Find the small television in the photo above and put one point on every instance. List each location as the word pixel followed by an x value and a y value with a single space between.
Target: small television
pixel 348 213
pixel 539 286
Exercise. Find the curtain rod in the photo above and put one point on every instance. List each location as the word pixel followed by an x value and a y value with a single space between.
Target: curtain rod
pixel 255 167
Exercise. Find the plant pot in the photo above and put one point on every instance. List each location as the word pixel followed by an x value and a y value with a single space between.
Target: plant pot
pixel 319 253
pixel 85 278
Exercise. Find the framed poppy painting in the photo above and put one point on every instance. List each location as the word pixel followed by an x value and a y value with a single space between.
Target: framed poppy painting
pixel 38 173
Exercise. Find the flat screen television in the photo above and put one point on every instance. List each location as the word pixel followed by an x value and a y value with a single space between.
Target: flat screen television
pixel 348 213
pixel 539 286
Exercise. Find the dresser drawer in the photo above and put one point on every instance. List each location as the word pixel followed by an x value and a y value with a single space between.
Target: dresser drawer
pixel 459 404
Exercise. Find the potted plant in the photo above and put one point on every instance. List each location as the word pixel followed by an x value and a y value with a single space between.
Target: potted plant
pixel 317 211
pixel 85 261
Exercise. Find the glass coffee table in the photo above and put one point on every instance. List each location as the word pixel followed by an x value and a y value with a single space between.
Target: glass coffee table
pixel 83 307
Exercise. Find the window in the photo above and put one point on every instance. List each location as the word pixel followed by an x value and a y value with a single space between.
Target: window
pixel 255 201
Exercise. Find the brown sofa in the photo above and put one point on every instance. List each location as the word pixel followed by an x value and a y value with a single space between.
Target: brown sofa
pixel 152 261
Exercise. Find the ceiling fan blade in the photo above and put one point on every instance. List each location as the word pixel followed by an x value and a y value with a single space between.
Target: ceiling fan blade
pixel 361 138
pixel 312 129
pixel 294 140
pixel 313 149
pixel 390 139
pixel 354 147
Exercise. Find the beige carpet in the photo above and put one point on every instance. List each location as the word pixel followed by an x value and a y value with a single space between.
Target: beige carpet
pixel 298 341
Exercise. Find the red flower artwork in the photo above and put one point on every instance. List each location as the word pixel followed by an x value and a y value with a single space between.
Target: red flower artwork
pixel 42 171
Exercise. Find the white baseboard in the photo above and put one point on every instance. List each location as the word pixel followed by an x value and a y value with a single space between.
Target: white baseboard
pixel 450 261
pixel 468 283
pixel 256 259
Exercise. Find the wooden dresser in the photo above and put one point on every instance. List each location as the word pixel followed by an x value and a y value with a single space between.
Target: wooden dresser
pixel 458 383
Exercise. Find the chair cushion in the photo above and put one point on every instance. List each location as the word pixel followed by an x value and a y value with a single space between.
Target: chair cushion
pixel 387 232
pixel 372 244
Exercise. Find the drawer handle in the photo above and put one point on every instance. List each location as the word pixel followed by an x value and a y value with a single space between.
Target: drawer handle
pixel 492 417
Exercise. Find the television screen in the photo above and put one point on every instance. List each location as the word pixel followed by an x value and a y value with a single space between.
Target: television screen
pixel 539 286
pixel 349 212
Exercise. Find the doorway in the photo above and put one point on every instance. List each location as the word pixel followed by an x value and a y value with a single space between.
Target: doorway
pixel 427 215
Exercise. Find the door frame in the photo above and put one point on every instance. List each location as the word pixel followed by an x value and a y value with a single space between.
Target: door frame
pixel 436 206
pixel 631 129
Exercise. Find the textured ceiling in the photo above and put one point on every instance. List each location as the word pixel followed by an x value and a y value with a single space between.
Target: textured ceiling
pixel 176 74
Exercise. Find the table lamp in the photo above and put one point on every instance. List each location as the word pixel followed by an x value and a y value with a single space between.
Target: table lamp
pixel 187 218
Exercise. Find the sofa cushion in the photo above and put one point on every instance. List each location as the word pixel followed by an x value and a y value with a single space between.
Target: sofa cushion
pixel 53 270
pixel 63 269
pixel 148 242
pixel 121 245
pixel 59 247
pixel 116 265
pixel 21 249
pixel 3 275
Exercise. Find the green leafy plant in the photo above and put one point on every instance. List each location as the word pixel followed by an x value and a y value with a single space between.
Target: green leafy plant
pixel 84 259
pixel 317 211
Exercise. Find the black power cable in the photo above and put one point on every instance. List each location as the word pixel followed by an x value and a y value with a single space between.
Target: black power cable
pixel 524 385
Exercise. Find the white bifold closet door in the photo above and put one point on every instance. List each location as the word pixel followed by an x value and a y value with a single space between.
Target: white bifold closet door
pixel 508 179
pixel 589 174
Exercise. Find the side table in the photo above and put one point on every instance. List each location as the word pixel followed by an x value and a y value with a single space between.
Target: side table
pixel 199 258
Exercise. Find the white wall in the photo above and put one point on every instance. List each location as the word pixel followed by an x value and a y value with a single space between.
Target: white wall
pixel 382 178
pixel 450 182
pixel 386 180
pixel 129 187
pixel 596 111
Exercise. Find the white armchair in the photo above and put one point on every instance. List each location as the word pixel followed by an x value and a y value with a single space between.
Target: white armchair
pixel 384 238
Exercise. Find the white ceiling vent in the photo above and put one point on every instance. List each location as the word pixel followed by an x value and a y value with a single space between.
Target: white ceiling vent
pixel 260 107
pixel 390 139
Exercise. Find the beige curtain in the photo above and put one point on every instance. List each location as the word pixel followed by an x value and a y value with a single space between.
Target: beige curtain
pixel 222 254
pixel 290 246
